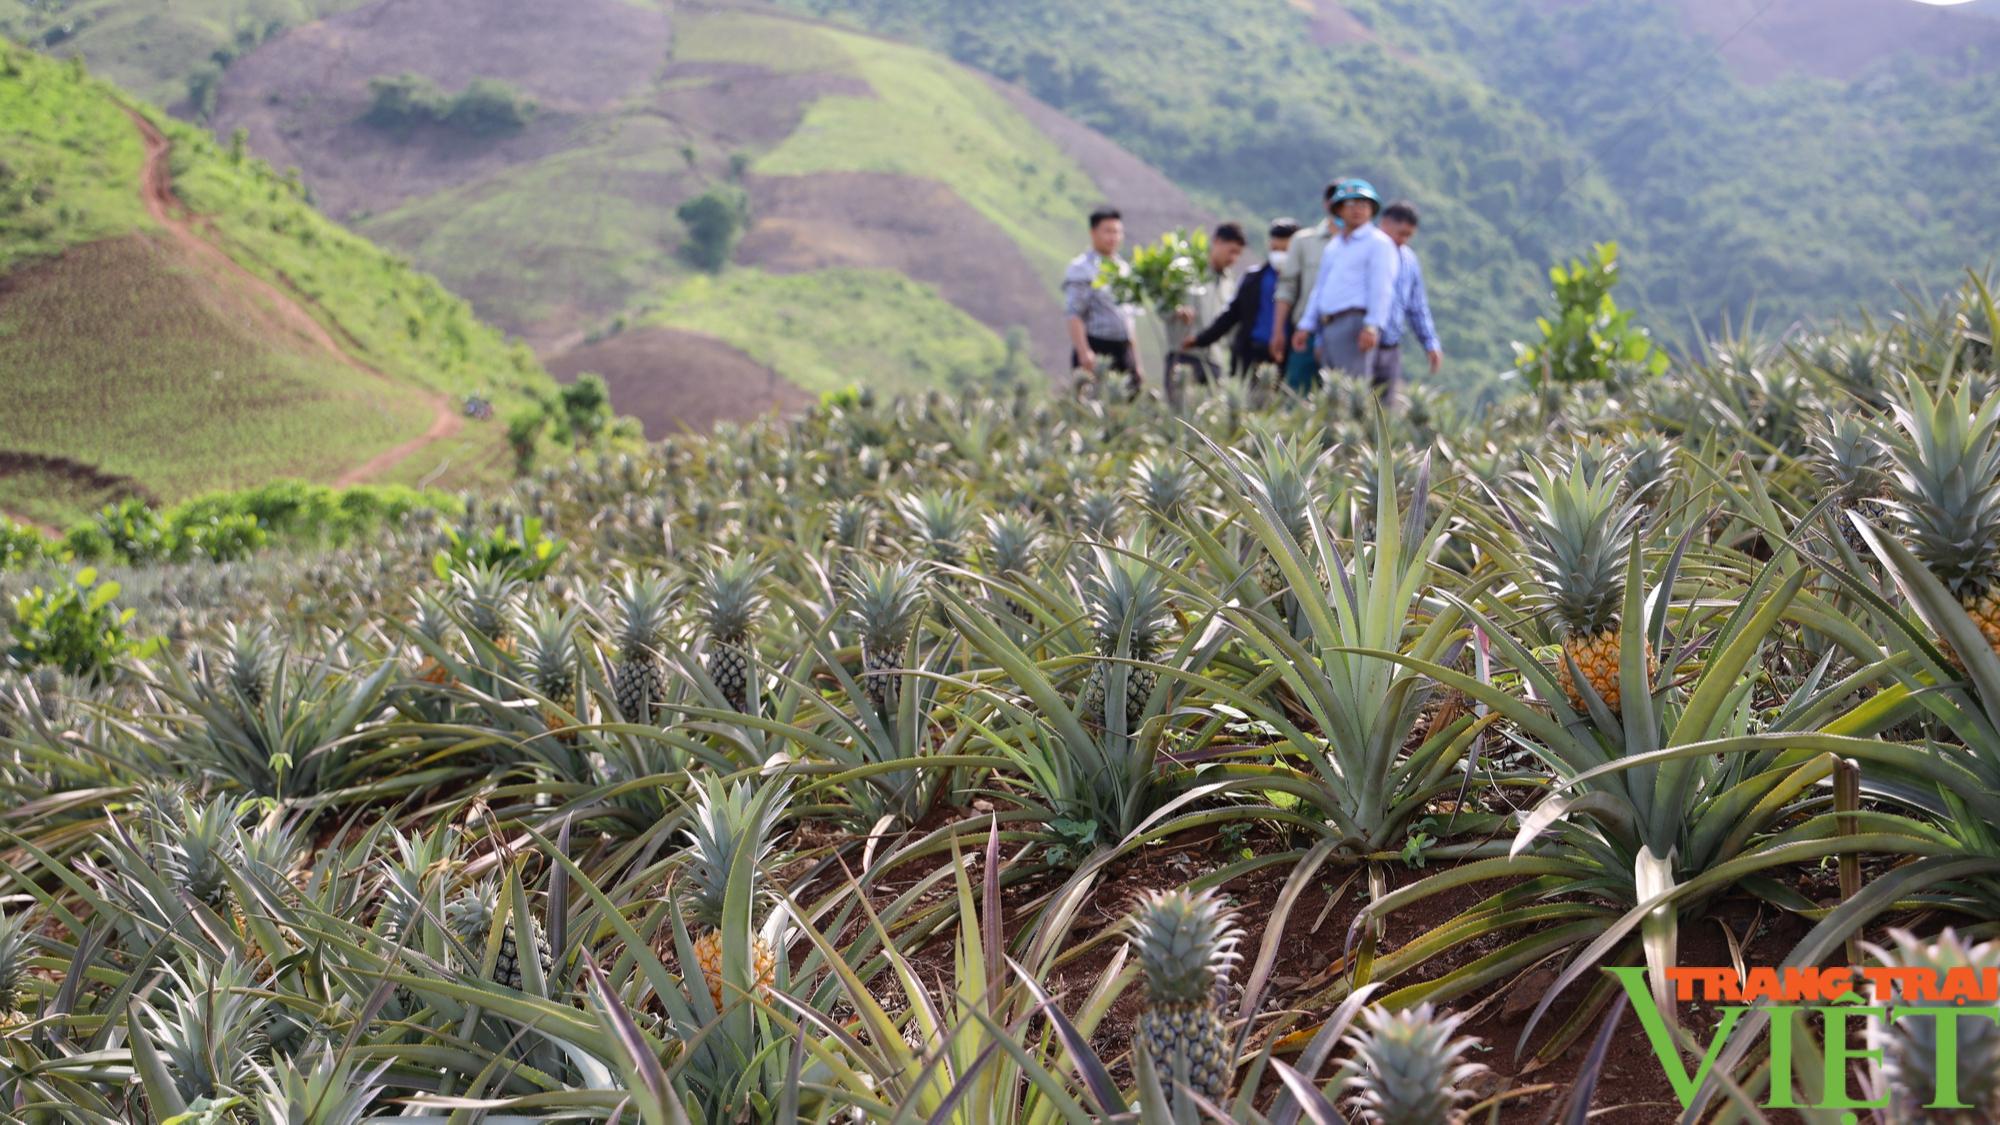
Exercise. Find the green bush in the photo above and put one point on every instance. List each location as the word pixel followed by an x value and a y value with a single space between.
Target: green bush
pixel 586 408
pixel 74 627
pixel 20 547
pixel 487 106
pixel 526 551
pixel 1589 339
pixel 714 220
pixel 403 101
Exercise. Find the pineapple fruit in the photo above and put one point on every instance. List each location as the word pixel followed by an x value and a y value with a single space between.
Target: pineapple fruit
pixel 431 622
pixel 1945 484
pixel 1908 1067
pixel 470 918
pixel 1185 943
pixel 639 626
pixel 1580 530
pixel 549 655
pixel 488 597
pixel 727 823
pixel 1408 1069
pixel 1128 607
pixel 730 605
pixel 884 602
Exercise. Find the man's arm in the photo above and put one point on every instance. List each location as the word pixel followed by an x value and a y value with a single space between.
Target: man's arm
pixel 1079 341
pixel 1420 315
pixel 1076 302
pixel 1243 305
pixel 1309 316
pixel 1381 292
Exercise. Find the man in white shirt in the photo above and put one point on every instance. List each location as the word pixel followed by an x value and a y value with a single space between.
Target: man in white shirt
pixel 1355 293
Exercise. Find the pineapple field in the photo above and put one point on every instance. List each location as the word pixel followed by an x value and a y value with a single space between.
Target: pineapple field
pixel 1055 759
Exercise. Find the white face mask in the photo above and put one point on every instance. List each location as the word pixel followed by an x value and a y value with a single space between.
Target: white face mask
pixel 1279 257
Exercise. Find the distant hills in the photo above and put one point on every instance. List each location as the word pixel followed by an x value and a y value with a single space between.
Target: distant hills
pixel 175 319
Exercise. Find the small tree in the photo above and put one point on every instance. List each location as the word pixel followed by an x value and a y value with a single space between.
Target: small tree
pixel 1161 279
pixel 714 220
pixel 586 407
pixel 524 435
pixel 1590 339
pixel 488 106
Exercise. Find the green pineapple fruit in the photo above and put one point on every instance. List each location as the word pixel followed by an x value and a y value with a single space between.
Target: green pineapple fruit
pixel 487 596
pixel 730 605
pixel 1945 487
pixel 432 622
pixel 470 917
pixel 727 823
pixel 1408 1068
pixel 1909 1063
pixel 884 601
pixel 1580 530
pixel 639 626
pixel 1185 943
pixel 1128 605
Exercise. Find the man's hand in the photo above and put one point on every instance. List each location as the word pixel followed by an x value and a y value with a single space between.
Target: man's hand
pixel 1087 359
pixel 1188 342
pixel 1184 314
pixel 1437 359
pixel 1368 338
pixel 1299 340
pixel 1277 347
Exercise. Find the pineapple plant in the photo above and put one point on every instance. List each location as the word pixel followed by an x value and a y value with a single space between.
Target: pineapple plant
pixel 942 521
pixel 1580 528
pixel 248 663
pixel 470 917
pixel 549 655
pixel 1128 605
pixel 430 621
pixel 1284 476
pixel 487 597
pixel 1908 1067
pixel 13 968
pixel 1013 539
pixel 1848 462
pixel 884 602
pixel 1945 494
pixel 639 626
pixel 850 523
pixel 730 604
pixel 1100 512
pixel 1408 1069
pixel 1185 943
pixel 729 822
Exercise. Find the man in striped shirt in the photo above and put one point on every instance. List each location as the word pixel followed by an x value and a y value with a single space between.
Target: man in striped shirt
pixel 1412 306
pixel 1099 328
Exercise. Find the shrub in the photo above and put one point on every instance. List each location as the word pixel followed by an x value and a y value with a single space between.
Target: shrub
pixel 74 627
pixel 714 220
pixel 20 546
pixel 403 101
pixel 586 407
pixel 1590 339
pixel 487 106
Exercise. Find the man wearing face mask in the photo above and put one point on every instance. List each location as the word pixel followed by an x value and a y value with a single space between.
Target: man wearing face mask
pixel 1252 314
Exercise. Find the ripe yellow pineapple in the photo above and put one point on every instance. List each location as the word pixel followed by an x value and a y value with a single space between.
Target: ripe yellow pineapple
pixel 1580 531
pixel 727 823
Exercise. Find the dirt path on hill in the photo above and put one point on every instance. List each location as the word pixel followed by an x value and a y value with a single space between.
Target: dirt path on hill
pixel 156 188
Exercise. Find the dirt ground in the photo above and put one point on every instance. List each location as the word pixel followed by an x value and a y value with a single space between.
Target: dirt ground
pixel 672 380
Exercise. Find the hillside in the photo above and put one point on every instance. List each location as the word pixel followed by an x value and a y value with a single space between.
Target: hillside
pixel 1528 129
pixel 175 318
pixel 921 212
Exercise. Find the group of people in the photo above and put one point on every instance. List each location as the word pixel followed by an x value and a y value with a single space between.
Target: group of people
pixel 1340 296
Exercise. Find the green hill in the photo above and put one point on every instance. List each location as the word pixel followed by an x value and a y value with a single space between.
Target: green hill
pixel 176 318
pixel 1528 130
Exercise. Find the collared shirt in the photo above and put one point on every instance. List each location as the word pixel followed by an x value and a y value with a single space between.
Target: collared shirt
pixel 1211 300
pixel 1413 305
pixel 1358 271
pixel 1301 268
pixel 1102 316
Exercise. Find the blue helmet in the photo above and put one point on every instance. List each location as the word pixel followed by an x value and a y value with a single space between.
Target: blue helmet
pixel 1356 189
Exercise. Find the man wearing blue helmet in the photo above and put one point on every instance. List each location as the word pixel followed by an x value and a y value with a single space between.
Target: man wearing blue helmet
pixel 1355 293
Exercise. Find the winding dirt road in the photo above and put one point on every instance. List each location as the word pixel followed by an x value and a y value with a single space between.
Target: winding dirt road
pixel 283 308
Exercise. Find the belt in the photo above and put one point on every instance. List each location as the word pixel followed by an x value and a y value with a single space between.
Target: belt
pixel 1389 347
pixel 1344 312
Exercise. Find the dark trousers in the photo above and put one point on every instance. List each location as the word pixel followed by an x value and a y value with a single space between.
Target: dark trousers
pixel 1118 353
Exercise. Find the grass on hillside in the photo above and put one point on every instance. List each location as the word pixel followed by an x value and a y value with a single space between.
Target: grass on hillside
pixel 926 118
pixel 831 329
pixel 120 359
pixel 69 165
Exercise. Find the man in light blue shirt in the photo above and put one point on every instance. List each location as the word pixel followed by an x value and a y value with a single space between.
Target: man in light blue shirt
pixel 1354 296
pixel 1413 305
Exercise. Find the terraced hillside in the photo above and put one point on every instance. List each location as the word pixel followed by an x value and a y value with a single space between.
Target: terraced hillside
pixel 175 318
pixel 905 219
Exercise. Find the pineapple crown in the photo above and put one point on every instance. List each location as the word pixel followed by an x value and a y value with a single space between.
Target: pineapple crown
pixel 1408 1070
pixel 550 649
pixel 1580 529
pixel 1185 942
pixel 208 1026
pixel 1164 484
pixel 1946 483
pixel 248 659
pixel 729 821
pixel 1099 511
pixel 1909 1067
pixel 885 600
pixel 13 961
pixel 469 915
pixel 1127 596
pixel 1012 539
pixel 196 844
pixel 1285 475
pixel 1846 455
pixel 943 521
pixel 851 522
pixel 1649 458
pixel 639 611
pixel 487 596
pixel 429 619
pixel 728 597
